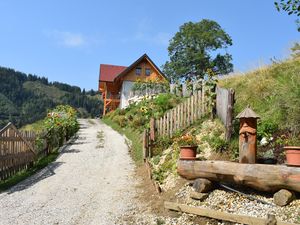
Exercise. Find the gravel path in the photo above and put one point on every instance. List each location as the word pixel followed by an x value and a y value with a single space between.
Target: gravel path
pixel 89 183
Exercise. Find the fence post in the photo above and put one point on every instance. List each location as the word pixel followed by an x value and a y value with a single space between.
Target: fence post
pixel 213 102
pixel 229 116
pixel 145 145
pixel 152 129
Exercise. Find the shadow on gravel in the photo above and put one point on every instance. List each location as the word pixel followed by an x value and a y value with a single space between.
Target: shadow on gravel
pixel 71 151
pixel 48 171
pixel 77 141
pixel 83 126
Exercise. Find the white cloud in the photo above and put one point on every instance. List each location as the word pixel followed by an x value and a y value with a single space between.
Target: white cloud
pixel 67 39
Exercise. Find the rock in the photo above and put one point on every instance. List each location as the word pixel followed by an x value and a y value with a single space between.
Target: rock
pixel 271 220
pixel 283 197
pixel 198 196
pixel 202 185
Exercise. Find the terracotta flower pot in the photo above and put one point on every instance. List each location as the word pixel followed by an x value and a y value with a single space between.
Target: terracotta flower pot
pixel 292 155
pixel 188 152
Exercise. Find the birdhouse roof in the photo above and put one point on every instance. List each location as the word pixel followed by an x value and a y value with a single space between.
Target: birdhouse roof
pixel 247 113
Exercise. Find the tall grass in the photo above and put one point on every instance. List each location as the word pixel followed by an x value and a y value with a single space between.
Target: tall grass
pixel 273 92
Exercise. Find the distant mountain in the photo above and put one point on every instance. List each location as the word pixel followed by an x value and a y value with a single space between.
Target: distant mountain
pixel 26 98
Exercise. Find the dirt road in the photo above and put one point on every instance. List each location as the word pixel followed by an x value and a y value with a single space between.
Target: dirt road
pixel 89 183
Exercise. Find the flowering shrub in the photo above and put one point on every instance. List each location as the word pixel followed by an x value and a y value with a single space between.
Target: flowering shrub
pixel 61 123
pixel 186 140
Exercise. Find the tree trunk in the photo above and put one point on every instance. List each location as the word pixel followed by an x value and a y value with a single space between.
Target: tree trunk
pixel 258 176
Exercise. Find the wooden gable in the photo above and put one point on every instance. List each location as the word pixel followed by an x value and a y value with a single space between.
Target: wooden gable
pixel 144 63
pixel 144 66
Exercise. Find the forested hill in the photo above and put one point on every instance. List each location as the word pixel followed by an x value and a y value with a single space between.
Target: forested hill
pixel 26 98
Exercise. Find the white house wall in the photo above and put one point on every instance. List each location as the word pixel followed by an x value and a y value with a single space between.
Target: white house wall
pixel 126 93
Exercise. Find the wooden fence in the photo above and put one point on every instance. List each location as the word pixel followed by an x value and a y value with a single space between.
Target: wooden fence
pixel 16 150
pixel 183 115
pixel 186 113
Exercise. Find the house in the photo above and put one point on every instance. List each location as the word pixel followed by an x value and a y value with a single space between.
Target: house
pixel 116 82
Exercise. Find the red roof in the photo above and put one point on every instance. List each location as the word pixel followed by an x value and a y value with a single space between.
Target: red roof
pixel 109 72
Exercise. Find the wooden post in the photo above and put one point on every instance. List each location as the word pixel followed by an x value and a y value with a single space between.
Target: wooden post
pixel 145 145
pixel 168 123
pixel 152 129
pixel 201 211
pixel 213 103
pixel 229 116
pixel 171 122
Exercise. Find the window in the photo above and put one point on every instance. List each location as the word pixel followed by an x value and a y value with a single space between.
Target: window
pixel 148 72
pixel 138 71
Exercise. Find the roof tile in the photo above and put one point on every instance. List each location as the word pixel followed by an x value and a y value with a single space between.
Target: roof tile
pixel 110 72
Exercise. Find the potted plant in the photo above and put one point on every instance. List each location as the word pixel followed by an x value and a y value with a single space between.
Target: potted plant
pixel 292 152
pixel 188 147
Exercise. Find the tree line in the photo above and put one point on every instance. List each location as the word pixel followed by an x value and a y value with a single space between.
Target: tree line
pixel 22 105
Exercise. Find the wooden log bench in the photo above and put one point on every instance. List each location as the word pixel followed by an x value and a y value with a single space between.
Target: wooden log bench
pixel 262 177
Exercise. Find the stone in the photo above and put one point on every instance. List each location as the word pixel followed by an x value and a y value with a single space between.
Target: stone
pixel 198 196
pixel 271 220
pixel 203 185
pixel 283 197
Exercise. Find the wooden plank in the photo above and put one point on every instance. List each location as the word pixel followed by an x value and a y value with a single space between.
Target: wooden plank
pixel 192 109
pixel 152 129
pixel 188 110
pixel 168 123
pixel 203 100
pixel 229 116
pixel 145 149
pixel 184 114
pixel 198 104
pixel 210 213
pixel 164 125
pixel 171 122
pixel 178 117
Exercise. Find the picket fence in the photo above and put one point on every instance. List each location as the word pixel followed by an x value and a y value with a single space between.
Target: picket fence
pixel 190 110
pixel 16 150
pixel 183 115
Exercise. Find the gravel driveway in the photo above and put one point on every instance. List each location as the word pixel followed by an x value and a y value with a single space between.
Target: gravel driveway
pixel 89 183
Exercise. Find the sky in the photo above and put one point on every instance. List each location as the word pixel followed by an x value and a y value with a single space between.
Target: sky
pixel 67 40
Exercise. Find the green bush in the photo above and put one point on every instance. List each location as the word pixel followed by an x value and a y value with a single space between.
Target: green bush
pixel 61 123
pixel 266 129
pixel 138 122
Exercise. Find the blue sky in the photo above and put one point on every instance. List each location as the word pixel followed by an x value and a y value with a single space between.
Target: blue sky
pixel 67 40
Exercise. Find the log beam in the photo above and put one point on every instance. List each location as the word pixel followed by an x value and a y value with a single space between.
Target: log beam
pixel 258 176
pixel 210 213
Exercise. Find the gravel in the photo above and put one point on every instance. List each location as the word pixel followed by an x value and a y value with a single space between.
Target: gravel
pixel 87 184
pixel 230 202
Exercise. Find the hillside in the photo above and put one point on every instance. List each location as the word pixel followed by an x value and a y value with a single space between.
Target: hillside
pixel 26 98
pixel 273 92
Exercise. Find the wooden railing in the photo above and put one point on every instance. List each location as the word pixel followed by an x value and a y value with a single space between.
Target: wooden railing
pixel 16 150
